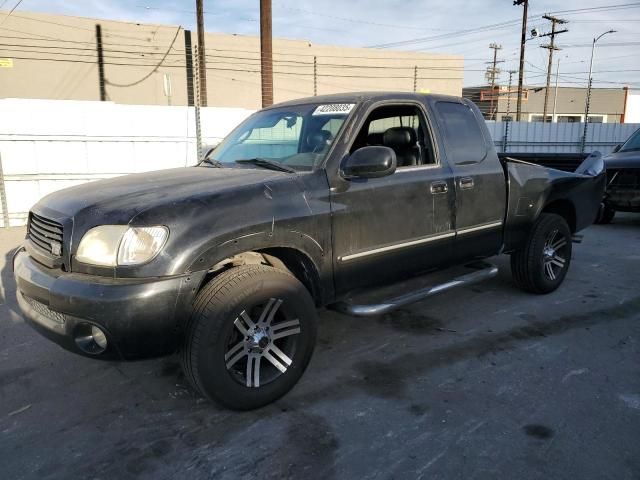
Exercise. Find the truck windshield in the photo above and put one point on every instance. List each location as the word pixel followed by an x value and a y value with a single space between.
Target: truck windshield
pixel 632 144
pixel 297 137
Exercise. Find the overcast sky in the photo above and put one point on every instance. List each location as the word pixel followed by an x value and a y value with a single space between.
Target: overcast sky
pixel 373 23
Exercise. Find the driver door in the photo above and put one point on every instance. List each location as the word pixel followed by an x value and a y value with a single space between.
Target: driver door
pixel 389 228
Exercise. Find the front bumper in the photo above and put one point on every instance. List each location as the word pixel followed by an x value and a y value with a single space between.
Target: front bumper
pixel 141 318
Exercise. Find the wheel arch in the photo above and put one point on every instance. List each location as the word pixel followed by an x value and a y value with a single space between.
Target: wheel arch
pixel 290 259
pixel 564 208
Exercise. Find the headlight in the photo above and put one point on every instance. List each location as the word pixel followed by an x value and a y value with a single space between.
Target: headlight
pixel 111 245
pixel 141 244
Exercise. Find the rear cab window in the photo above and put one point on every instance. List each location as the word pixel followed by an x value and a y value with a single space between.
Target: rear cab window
pixel 465 141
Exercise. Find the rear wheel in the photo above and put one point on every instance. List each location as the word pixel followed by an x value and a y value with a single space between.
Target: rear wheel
pixel 540 267
pixel 250 337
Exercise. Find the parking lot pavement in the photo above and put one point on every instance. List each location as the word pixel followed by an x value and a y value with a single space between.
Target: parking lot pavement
pixel 483 382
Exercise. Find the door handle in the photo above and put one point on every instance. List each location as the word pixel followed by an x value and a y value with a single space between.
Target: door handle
pixel 466 183
pixel 439 187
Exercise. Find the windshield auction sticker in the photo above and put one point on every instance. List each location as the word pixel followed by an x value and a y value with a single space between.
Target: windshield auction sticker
pixel 334 108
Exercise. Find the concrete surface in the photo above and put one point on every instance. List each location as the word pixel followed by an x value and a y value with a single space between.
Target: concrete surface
pixel 486 382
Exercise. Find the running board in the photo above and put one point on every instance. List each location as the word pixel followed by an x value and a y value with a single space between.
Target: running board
pixel 372 303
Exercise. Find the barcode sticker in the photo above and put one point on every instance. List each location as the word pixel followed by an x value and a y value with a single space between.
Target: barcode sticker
pixel 334 108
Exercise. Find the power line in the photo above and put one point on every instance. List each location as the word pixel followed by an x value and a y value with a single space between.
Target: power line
pixel 252 62
pixel 584 79
pixel 75 51
pixel 446 35
pixel 356 20
pixel 239 69
pixel 437 58
pixel 600 45
pixel 602 8
pixel 154 70
pixel 75 27
pixel 11 11
pixel 505 24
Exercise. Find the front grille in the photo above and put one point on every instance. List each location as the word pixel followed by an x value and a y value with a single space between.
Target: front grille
pixel 45 234
pixel 42 309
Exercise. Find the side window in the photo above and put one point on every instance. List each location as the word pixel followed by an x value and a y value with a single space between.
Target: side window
pixel 402 128
pixel 465 141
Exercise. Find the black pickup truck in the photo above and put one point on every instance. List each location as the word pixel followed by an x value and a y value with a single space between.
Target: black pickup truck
pixel 360 202
pixel 622 193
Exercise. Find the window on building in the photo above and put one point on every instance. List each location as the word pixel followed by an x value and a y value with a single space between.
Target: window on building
pixel 596 119
pixel 538 118
pixel 569 118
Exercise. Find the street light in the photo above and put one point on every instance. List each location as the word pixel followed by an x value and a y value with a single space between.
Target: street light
pixel 586 108
pixel 555 95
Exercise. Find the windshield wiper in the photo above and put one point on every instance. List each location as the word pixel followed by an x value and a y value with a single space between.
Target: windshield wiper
pixel 212 162
pixel 266 163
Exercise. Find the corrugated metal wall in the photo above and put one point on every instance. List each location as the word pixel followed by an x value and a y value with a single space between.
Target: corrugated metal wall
pixel 538 137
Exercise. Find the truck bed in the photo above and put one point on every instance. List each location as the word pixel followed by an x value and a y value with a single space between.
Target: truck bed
pixel 571 184
pixel 567 162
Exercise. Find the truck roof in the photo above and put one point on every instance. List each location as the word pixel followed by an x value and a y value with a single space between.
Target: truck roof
pixel 358 97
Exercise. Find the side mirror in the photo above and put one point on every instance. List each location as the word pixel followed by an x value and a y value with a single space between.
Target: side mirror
pixel 207 152
pixel 370 162
pixel 617 148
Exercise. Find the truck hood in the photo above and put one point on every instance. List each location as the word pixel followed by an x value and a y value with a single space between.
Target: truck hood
pixel 630 159
pixel 118 200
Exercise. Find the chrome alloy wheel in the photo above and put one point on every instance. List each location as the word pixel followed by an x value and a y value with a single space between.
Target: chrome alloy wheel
pixel 260 351
pixel 554 254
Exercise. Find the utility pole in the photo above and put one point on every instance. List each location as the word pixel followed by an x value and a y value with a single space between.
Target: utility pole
pixel 202 65
pixel 188 60
pixel 266 53
pixel 197 109
pixel 551 46
pixel 523 39
pixel 315 76
pixel 491 74
pixel 415 78
pixel 3 198
pixel 511 72
pixel 507 121
pixel 101 80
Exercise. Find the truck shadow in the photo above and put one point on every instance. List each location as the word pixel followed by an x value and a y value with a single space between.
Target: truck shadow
pixel 392 378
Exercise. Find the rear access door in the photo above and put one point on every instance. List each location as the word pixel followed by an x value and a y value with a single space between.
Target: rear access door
pixel 480 184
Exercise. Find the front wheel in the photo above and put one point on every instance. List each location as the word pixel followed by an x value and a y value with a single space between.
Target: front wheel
pixel 540 267
pixel 250 337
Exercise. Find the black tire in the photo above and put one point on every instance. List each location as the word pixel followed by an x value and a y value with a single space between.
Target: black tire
pixel 219 334
pixel 605 214
pixel 548 246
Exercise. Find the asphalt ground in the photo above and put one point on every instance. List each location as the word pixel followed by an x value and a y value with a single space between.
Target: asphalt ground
pixel 484 382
